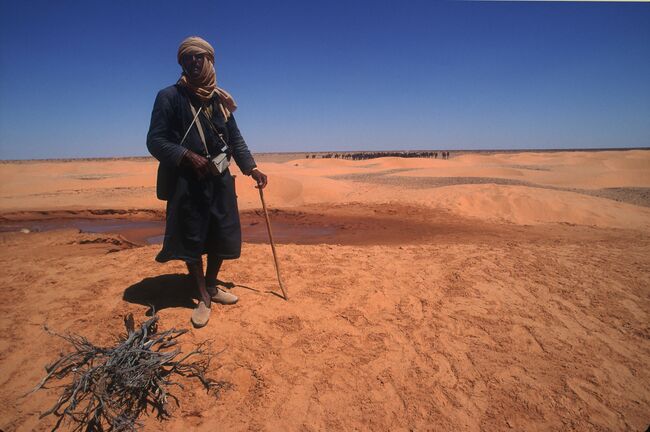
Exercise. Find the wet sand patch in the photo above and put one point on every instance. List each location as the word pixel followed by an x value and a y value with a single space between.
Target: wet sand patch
pixel 340 224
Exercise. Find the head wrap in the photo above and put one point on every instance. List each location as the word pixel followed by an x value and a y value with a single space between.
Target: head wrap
pixel 205 85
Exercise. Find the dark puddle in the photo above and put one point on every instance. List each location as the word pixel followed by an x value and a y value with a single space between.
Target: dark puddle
pixel 137 231
pixel 152 232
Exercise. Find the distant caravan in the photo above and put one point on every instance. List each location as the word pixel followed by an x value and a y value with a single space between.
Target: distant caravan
pixel 374 155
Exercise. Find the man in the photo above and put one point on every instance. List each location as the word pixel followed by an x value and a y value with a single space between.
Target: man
pixel 191 123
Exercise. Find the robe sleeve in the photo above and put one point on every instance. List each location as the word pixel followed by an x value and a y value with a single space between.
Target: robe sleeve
pixel 240 151
pixel 162 141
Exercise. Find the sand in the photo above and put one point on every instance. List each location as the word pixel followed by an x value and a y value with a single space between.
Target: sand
pixel 481 293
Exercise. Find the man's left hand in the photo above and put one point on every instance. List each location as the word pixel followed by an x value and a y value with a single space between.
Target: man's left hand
pixel 260 178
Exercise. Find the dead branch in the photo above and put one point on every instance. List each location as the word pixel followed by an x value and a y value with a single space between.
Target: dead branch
pixel 108 388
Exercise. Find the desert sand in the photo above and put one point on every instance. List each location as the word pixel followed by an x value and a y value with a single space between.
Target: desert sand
pixel 481 293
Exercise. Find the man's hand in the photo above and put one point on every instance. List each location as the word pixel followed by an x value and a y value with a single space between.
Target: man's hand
pixel 198 163
pixel 260 178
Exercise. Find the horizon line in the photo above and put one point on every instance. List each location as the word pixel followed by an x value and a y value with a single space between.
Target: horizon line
pixel 514 150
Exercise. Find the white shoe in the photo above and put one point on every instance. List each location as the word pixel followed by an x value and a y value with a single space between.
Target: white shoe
pixel 224 297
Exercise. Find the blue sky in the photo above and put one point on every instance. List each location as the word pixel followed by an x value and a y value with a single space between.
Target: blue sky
pixel 78 79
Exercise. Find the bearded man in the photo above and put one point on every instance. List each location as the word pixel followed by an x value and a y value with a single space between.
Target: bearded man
pixel 193 134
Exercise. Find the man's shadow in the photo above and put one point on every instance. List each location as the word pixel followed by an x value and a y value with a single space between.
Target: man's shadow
pixel 166 291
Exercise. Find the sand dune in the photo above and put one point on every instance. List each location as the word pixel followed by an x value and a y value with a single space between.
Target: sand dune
pixel 481 293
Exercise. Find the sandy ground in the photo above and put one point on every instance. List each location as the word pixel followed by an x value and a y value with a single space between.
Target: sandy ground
pixel 482 293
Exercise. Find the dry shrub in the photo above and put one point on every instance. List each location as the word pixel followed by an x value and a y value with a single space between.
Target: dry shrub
pixel 106 389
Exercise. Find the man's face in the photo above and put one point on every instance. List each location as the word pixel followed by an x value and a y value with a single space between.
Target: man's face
pixel 193 64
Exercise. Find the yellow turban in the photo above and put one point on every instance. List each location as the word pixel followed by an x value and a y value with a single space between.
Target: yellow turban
pixel 205 85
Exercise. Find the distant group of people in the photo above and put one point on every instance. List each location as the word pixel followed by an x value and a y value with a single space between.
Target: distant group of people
pixel 374 155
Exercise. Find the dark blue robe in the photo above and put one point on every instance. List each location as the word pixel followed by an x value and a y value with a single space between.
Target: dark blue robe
pixel 202 215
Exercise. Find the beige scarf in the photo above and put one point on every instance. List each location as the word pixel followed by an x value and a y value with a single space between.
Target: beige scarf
pixel 205 85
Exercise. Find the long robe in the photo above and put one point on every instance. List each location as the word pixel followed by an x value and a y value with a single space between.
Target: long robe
pixel 202 215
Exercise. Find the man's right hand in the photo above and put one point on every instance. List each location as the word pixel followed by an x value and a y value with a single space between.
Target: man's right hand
pixel 199 164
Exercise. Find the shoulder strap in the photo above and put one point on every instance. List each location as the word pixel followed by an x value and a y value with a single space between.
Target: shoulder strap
pixel 198 126
pixel 224 146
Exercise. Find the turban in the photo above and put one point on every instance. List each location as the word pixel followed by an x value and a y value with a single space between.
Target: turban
pixel 205 85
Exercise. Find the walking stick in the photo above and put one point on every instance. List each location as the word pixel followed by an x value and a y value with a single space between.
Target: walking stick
pixel 275 257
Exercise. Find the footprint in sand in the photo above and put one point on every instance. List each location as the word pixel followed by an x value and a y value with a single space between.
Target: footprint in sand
pixel 411 307
pixel 289 323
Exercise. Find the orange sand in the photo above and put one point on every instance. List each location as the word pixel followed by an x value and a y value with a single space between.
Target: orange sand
pixel 481 293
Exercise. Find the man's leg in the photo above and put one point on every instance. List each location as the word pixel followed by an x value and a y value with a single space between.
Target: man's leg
pixel 218 295
pixel 214 265
pixel 201 314
pixel 196 271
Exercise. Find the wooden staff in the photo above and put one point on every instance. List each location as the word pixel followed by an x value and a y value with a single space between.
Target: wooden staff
pixel 275 258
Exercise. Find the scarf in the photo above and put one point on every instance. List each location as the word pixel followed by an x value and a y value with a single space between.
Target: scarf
pixel 205 85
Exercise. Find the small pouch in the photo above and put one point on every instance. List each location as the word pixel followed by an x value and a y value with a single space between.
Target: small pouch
pixel 219 164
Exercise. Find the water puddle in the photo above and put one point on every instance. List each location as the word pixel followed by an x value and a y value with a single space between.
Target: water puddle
pixel 152 232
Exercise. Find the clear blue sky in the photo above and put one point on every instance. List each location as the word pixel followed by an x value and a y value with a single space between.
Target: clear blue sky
pixel 78 79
